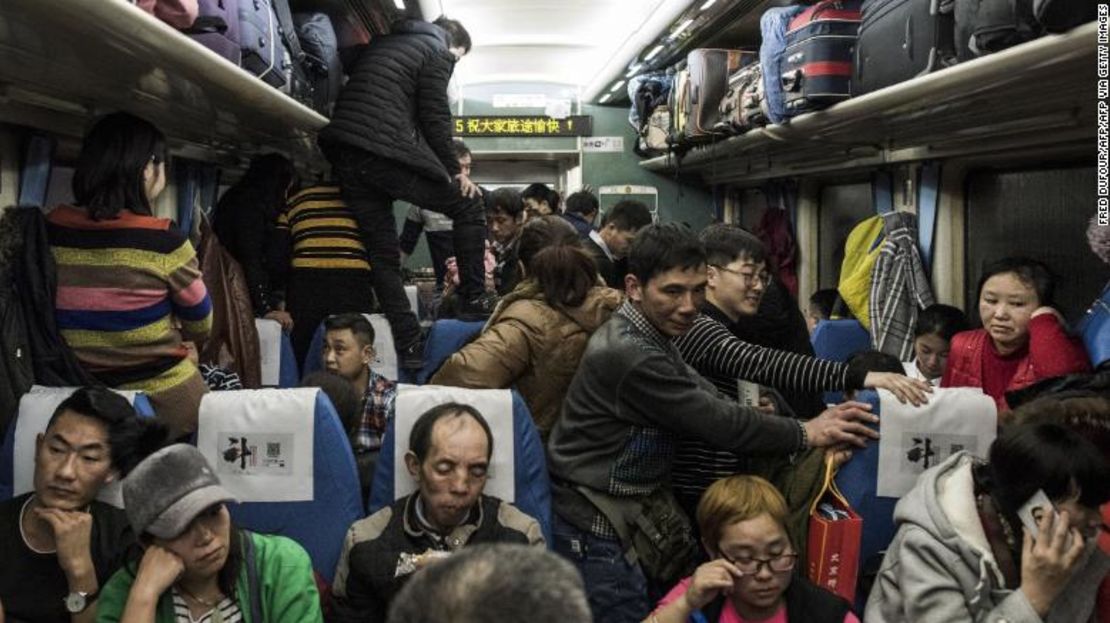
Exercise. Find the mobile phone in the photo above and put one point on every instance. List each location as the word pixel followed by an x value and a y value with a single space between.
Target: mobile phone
pixel 1032 510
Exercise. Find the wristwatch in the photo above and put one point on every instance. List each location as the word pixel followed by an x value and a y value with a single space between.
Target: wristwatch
pixel 77 601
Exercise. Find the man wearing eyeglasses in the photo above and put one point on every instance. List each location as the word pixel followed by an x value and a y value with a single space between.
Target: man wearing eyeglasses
pixel 610 452
pixel 737 277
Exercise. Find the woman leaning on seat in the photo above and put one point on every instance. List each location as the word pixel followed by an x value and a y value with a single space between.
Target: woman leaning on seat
pixel 193 561
pixel 536 336
pixel 124 275
pixel 1023 339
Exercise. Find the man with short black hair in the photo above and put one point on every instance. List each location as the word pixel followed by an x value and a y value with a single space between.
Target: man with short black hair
pixel 348 351
pixel 390 139
pixel 505 213
pixel 632 393
pixel 581 210
pixel 539 200
pixel 450 447
pixel 58 544
pixel 497 583
pixel 609 245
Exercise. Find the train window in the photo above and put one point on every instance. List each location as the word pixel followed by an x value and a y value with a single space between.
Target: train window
pixel 842 206
pixel 1042 214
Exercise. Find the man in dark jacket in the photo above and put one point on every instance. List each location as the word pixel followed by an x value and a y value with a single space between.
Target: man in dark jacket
pixel 581 211
pixel 610 244
pixel 631 395
pixel 449 453
pixel 389 139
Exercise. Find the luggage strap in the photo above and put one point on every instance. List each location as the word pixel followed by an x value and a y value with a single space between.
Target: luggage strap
pixel 615 511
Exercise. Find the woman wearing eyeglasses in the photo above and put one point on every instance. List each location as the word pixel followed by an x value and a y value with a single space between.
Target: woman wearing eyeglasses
pixel 124 275
pixel 751 575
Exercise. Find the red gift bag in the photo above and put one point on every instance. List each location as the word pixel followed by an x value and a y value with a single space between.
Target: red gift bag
pixel 834 540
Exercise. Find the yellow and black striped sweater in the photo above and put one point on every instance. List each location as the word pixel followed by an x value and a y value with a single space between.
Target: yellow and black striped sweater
pixel 324 232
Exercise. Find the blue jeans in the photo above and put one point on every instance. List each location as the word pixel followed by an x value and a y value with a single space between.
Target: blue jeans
pixel 617 590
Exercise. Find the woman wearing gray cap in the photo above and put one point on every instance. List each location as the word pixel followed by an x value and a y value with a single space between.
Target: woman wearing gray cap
pixel 195 566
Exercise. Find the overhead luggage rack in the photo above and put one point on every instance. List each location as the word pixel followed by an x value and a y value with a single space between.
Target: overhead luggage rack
pixel 64 61
pixel 1037 98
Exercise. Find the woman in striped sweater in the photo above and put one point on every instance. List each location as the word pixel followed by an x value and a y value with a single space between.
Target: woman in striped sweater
pixel 124 276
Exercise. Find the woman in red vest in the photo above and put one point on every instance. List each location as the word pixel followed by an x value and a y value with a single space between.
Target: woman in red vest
pixel 1023 339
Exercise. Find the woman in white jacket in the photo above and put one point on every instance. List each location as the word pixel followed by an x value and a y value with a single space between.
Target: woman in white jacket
pixel 961 553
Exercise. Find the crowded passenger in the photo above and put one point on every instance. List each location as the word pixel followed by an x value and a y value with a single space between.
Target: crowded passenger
pixel 535 338
pixel 437 228
pixel 505 213
pixel 932 338
pixel 736 279
pixel 539 200
pixel 192 563
pixel 614 443
pixel 750 575
pixel 348 351
pixel 497 583
pixel 330 271
pixel 963 551
pixel 390 139
pixel 246 222
pixel 581 211
pixel 59 543
pixel 124 275
pixel 609 245
pixel 820 307
pixel 217 378
pixel 449 453
pixel 1024 338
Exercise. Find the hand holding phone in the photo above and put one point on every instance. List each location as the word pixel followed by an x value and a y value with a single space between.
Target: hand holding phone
pixel 1033 510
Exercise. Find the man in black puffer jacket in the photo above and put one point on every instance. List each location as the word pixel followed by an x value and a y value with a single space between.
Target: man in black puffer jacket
pixel 389 139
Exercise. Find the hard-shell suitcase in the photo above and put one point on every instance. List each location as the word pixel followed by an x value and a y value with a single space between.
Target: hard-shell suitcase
pixel 899 40
pixel 745 106
pixel 679 105
pixel 817 62
pixel 260 40
pixel 709 71
pixel 217 28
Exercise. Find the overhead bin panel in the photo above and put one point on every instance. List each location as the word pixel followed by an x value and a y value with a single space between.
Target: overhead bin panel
pixel 62 61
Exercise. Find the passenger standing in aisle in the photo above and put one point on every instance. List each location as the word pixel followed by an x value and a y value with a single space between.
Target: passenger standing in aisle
pixel 124 275
pixel 390 139
pixel 540 200
pixel 438 229
pixel 581 211
pixel 632 393
pixel 330 271
pixel 609 245
pixel 246 223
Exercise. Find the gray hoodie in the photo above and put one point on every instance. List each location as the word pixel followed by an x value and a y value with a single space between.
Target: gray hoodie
pixel 940 568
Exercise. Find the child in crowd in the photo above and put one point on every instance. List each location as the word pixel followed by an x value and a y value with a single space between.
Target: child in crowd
pixel 936 324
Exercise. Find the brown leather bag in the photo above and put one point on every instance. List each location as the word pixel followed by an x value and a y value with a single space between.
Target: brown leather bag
pixel 233 342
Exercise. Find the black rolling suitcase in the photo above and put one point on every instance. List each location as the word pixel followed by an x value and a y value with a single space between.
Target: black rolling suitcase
pixel 817 63
pixel 901 39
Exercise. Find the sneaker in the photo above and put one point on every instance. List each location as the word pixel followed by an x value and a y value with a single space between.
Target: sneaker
pixel 412 358
pixel 478 308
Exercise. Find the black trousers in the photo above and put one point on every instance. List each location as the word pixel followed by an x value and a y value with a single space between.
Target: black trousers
pixel 369 185
pixel 316 293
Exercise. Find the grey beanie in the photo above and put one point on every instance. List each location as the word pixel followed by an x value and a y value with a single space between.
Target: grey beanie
pixel 168 489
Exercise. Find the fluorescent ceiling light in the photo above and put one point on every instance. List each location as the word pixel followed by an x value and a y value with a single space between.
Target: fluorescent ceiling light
pixel 400 4
pixel 653 53
pixel 708 3
pixel 683 27
pixel 633 70
pixel 617 86
pixel 604 98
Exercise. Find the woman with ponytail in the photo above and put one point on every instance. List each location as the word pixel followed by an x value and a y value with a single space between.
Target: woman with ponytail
pixel 537 334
